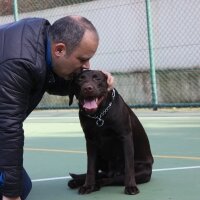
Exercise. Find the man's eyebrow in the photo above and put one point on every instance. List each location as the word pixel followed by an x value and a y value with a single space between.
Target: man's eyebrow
pixel 83 58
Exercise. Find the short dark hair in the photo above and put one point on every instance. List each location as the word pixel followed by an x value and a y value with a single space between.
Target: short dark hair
pixel 70 30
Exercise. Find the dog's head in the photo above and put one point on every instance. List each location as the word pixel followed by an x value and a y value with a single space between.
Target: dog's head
pixel 90 88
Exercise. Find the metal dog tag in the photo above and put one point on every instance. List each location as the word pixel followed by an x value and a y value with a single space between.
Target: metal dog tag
pixel 100 122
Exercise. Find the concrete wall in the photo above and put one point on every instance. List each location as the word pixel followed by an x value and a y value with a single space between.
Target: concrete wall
pixel 135 88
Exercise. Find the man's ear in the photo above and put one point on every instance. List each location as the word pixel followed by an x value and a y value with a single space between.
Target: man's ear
pixel 59 49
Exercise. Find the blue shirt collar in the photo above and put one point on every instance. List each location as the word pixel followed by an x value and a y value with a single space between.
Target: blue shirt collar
pixel 48 54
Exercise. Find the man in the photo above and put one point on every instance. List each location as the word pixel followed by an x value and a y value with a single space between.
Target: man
pixel 35 57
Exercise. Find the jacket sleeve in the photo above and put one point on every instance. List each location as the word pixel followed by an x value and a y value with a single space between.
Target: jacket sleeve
pixel 15 87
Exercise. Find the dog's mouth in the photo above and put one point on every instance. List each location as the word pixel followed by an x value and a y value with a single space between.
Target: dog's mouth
pixel 90 105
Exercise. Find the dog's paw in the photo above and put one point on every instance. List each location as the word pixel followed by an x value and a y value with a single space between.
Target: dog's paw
pixel 73 184
pixel 88 189
pixel 131 190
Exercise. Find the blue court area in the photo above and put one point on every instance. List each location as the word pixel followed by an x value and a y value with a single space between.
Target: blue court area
pixel 55 146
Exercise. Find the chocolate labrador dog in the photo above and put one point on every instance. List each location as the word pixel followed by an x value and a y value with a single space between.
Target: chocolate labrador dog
pixel 118 149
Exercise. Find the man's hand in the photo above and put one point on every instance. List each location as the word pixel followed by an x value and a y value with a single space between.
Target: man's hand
pixel 11 198
pixel 110 80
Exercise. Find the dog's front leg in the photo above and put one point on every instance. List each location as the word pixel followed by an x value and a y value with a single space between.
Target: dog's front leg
pixel 90 185
pixel 130 183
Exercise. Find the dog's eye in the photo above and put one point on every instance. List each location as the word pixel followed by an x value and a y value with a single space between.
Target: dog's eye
pixel 80 78
pixel 95 77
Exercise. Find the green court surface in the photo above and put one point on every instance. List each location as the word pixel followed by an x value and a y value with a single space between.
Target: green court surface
pixel 55 146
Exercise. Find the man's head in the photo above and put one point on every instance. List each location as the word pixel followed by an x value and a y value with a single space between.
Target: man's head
pixel 74 40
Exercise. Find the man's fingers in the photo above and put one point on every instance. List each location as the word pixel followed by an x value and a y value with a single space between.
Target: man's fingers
pixel 110 80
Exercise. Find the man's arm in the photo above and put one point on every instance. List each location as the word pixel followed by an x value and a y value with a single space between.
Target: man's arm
pixel 15 85
pixel 62 87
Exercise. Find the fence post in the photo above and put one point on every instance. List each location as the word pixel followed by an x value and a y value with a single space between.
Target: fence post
pixel 151 56
pixel 15 10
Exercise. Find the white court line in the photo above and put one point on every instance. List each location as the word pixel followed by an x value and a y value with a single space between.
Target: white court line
pixel 51 179
pixel 154 170
pixel 176 168
pixel 146 117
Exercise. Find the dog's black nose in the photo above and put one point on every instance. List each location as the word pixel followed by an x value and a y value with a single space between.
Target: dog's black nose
pixel 88 88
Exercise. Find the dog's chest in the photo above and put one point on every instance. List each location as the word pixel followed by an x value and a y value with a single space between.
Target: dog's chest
pixel 104 137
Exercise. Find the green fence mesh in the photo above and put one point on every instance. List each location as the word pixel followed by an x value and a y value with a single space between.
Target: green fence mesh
pixel 124 27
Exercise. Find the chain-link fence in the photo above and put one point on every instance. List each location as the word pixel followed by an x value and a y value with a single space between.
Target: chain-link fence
pixel 152 47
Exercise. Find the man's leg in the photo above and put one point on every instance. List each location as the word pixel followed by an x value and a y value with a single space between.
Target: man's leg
pixel 26 185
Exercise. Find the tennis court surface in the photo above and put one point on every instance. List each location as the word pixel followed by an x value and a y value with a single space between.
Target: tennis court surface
pixel 55 146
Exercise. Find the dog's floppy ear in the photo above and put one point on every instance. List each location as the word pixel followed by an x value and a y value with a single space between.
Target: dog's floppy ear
pixel 71 92
pixel 73 87
pixel 71 97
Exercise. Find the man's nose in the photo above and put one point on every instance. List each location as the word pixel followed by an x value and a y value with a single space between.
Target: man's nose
pixel 86 65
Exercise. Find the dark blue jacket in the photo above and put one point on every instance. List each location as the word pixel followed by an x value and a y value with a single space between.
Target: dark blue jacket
pixel 24 77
